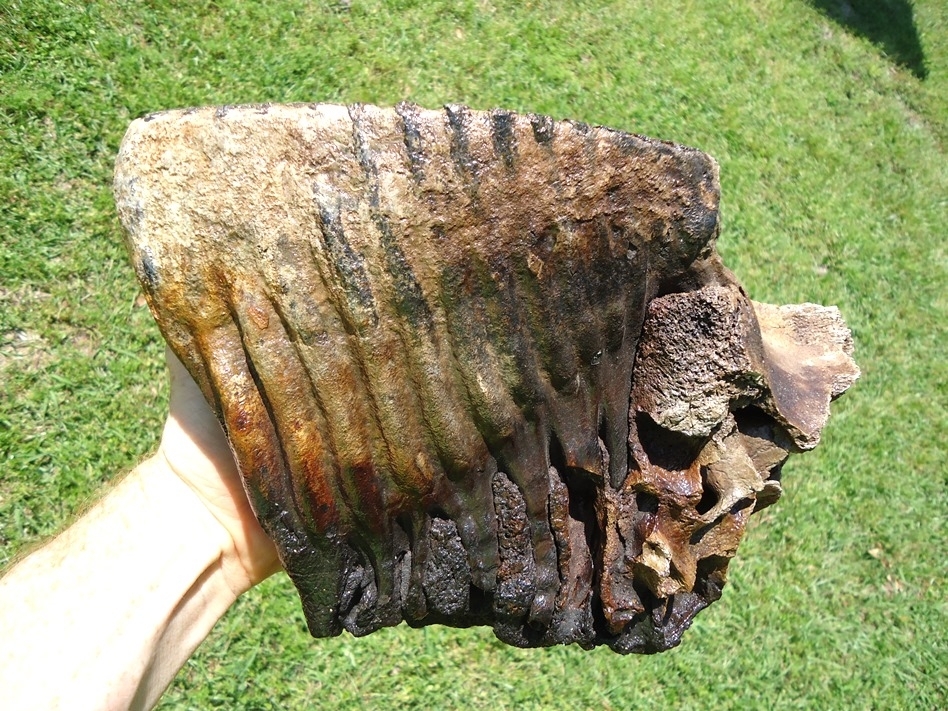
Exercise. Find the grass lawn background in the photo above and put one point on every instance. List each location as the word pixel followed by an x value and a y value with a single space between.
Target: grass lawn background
pixel 830 122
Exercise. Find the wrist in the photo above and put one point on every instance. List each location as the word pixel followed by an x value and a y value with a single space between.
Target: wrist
pixel 174 507
pixel 115 604
pixel 208 522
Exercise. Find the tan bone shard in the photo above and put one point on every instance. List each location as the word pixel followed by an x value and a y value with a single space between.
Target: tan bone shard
pixel 476 367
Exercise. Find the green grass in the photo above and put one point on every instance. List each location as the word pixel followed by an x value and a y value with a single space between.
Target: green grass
pixel 835 190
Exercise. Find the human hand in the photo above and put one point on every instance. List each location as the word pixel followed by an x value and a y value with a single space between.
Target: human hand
pixel 105 614
pixel 194 449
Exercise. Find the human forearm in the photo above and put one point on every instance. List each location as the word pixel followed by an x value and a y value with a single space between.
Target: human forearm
pixel 104 615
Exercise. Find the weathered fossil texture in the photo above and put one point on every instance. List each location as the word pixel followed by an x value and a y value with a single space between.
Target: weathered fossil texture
pixel 476 367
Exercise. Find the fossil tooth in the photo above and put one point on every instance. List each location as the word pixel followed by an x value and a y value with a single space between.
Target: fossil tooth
pixel 476 367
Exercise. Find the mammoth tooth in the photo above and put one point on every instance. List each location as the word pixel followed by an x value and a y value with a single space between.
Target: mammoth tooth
pixel 475 367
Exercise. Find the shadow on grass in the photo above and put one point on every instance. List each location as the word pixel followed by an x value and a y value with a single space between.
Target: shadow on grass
pixel 887 23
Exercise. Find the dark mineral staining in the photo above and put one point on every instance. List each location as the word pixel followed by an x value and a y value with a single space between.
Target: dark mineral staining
pixel 147 271
pixel 502 135
pixel 542 128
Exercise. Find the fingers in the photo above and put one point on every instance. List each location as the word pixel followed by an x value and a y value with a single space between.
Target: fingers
pixel 193 424
pixel 194 447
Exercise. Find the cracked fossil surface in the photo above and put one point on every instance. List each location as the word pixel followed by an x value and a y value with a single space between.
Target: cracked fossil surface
pixel 477 368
